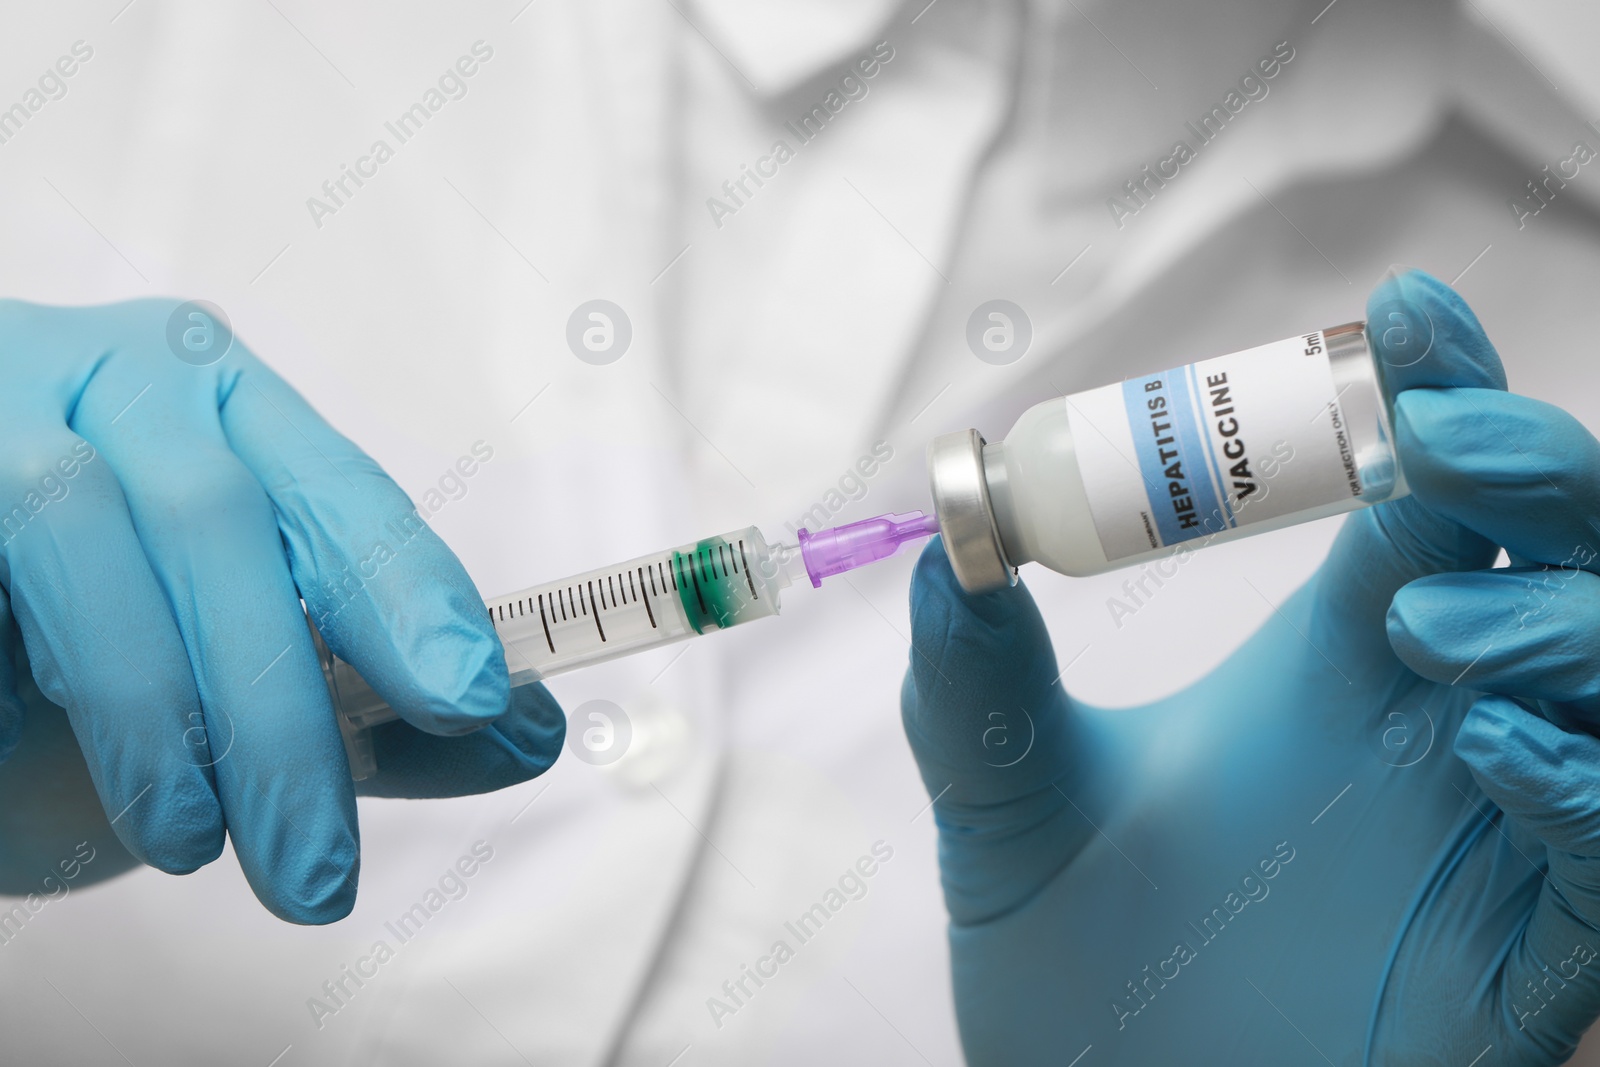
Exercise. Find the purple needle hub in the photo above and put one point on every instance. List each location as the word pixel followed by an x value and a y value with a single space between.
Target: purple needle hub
pixel 856 544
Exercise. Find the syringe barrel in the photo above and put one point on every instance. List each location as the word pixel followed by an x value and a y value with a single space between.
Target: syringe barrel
pixel 590 618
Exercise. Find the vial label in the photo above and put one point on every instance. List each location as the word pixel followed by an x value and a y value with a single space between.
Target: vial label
pixel 1191 452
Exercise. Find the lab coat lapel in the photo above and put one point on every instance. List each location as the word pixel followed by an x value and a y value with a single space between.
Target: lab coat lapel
pixel 1154 76
pixel 779 45
pixel 806 297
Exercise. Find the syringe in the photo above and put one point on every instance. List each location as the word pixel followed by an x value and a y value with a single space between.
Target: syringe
pixel 654 600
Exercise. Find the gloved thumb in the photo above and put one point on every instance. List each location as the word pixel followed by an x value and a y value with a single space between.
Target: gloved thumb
pixel 1546 780
pixel 997 741
pixel 521 744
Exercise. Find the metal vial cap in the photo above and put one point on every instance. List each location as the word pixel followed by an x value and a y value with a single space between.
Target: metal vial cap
pixel 966 514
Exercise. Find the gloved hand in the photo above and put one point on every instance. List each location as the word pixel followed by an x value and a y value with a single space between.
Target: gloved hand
pixel 1371 836
pixel 159 524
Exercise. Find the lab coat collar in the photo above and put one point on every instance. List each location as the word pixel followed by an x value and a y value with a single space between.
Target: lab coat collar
pixel 778 45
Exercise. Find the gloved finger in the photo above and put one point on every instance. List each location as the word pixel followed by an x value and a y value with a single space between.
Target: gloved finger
pixel 1546 780
pixel 102 643
pixel 1519 472
pixel 211 538
pixel 993 733
pixel 1425 338
pixel 1524 633
pixel 521 744
pixel 384 591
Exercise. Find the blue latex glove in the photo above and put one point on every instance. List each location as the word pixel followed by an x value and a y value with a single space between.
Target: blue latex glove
pixel 159 524
pixel 1336 848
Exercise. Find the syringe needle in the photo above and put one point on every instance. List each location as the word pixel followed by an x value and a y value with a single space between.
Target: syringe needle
pixel 856 544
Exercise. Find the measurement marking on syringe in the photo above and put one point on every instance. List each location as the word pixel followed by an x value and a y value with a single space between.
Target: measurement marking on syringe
pixel 543 622
pixel 613 590
pixel 747 577
pixel 647 610
pixel 692 577
pixel 597 625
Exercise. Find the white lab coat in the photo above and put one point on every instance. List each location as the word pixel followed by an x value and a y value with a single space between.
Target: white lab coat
pixel 773 346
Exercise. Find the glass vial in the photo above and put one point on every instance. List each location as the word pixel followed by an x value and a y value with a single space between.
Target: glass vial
pixel 1168 462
